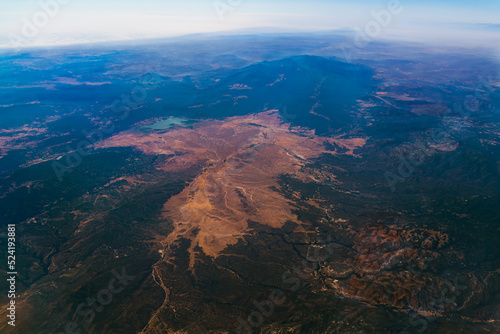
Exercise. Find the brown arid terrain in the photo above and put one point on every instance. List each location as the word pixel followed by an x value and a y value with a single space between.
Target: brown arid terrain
pixel 243 158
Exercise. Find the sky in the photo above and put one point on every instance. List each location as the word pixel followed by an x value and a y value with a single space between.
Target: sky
pixel 52 22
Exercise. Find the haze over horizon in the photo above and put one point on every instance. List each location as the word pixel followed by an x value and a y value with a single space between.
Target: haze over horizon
pixel 74 22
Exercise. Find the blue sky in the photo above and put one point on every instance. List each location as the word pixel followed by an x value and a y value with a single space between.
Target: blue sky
pixel 93 20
